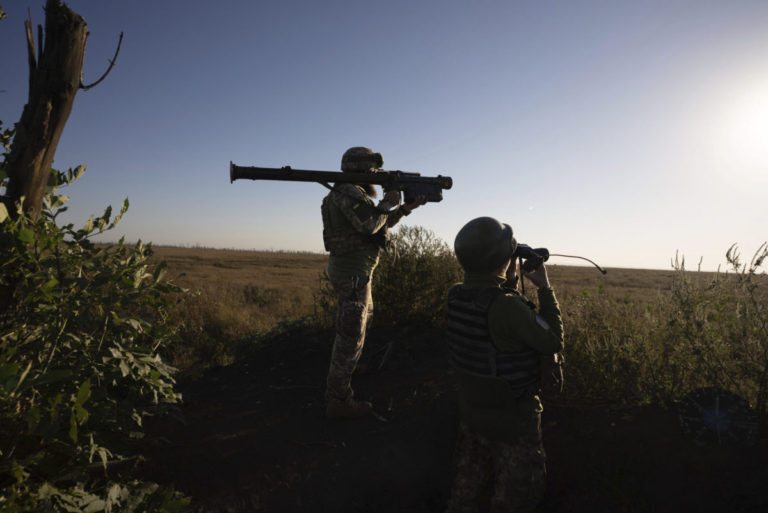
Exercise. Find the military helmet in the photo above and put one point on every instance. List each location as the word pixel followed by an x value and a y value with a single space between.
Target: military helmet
pixel 360 159
pixel 484 244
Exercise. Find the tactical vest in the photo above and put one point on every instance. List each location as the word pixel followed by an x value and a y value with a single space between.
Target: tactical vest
pixel 470 345
pixel 496 387
pixel 340 237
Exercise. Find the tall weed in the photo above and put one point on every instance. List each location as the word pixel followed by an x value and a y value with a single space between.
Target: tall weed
pixel 723 326
pixel 607 346
pixel 221 315
pixel 708 330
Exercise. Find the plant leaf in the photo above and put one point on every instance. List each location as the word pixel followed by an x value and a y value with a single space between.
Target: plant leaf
pixel 88 225
pixel 83 393
pixel 26 236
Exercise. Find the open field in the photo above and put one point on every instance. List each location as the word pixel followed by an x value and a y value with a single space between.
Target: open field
pixel 255 437
pixel 264 268
pixel 298 273
pixel 268 287
pixel 239 295
pixel 236 295
pixel 632 335
pixel 282 282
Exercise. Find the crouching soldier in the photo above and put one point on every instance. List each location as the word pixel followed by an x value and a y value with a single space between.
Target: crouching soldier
pixel 496 340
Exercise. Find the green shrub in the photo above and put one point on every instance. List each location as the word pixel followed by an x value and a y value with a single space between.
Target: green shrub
pixel 721 326
pixel 409 284
pixel 80 330
pixel 709 330
pixel 325 302
pixel 606 340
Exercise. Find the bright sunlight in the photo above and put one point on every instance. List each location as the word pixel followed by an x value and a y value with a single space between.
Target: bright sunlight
pixel 742 134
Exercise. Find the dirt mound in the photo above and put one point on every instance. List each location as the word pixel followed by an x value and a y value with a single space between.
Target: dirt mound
pixel 254 439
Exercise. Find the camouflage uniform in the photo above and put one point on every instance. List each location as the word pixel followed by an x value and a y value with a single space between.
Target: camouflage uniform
pixel 500 447
pixel 515 471
pixel 350 220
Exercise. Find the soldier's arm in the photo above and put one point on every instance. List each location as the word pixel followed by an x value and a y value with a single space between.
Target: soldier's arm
pixel 549 308
pixel 394 217
pixel 404 210
pixel 358 210
pixel 512 322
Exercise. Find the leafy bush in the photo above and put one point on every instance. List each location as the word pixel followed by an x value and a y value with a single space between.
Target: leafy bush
pixel 409 284
pixel 325 302
pixel 709 330
pixel 606 341
pixel 80 327
pixel 723 327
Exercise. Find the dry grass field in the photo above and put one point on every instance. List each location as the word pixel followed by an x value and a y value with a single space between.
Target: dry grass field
pixel 265 268
pixel 632 335
pixel 273 286
pixel 255 437
pixel 238 294
pixel 255 290
pixel 235 295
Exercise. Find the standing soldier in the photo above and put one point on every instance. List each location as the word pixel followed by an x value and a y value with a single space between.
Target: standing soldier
pixel 496 340
pixel 354 231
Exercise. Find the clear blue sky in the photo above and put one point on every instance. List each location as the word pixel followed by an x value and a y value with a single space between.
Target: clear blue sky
pixel 623 131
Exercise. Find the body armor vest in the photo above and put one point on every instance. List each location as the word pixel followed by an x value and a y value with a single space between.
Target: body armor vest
pixel 470 345
pixel 340 237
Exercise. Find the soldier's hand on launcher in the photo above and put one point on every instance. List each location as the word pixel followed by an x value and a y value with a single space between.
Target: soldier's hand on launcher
pixel 392 196
pixel 416 203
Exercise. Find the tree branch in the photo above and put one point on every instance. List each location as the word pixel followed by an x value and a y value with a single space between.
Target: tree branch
pixel 55 76
pixel 111 64
pixel 30 51
pixel 40 37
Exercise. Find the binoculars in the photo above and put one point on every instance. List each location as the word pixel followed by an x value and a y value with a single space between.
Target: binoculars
pixel 531 258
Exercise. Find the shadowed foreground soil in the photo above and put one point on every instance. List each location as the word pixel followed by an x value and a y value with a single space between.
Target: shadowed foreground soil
pixel 255 439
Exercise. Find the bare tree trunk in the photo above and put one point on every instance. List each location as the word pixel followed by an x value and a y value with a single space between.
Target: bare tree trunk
pixel 53 83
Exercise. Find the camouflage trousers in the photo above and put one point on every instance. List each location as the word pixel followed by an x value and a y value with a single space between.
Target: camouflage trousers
pixel 355 308
pixel 512 474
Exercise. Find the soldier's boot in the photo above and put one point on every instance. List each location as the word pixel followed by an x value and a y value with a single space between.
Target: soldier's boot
pixel 349 409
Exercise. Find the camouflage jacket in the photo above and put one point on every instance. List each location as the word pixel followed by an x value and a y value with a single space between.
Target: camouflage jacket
pixel 350 219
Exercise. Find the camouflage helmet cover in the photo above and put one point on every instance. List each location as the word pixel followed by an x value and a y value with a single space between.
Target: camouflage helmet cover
pixel 360 159
pixel 484 244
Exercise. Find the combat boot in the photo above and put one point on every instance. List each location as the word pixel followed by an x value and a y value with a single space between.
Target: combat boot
pixel 349 409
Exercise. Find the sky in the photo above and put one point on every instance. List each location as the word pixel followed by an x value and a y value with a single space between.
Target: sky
pixel 623 131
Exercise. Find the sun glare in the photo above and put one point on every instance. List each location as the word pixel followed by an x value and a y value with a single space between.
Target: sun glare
pixel 742 135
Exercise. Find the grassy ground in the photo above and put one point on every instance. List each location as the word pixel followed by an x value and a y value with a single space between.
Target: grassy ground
pixel 246 291
pixel 242 295
pixel 265 286
pixel 632 335
pixel 236 295
pixel 255 437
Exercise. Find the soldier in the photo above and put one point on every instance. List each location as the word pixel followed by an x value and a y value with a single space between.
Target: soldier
pixel 496 340
pixel 354 231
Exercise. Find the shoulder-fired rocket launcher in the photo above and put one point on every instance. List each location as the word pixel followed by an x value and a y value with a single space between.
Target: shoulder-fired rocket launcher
pixel 412 184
